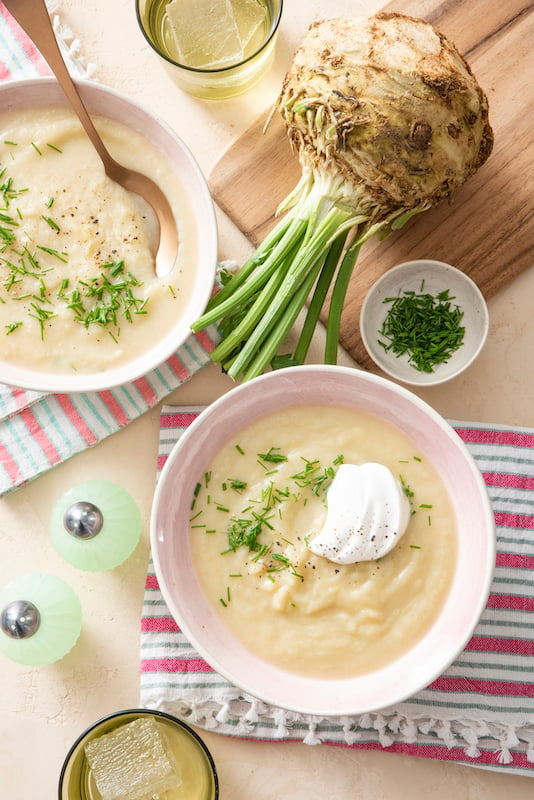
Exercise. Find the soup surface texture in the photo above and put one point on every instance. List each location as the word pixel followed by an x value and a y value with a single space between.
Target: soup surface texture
pixel 78 290
pixel 263 499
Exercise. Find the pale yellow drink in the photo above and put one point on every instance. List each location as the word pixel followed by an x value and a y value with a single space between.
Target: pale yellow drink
pixel 218 48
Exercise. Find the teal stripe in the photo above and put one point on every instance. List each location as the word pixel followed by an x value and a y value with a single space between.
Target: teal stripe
pixel 59 425
pixel 164 382
pixel 193 357
pixel 508 624
pixel 168 645
pixel 122 393
pixel 434 702
pixel 211 684
pixel 93 403
pixel 19 443
pixel 16 59
pixel 492 665
pixel 515 540
pixel 502 459
pixel 523 582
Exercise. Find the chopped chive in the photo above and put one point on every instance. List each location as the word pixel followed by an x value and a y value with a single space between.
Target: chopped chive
pixel 36 148
pixel 425 328
pixel 272 457
pixel 49 221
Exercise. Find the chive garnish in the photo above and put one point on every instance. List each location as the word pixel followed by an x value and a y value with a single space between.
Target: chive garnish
pixel 105 300
pixel 426 328
pixel 52 223
pixel 255 527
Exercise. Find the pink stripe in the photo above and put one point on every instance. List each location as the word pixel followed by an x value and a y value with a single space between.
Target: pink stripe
pixel 510 688
pixel 27 45
pixel 159 625
pixel 515 560
pixel 494 644
pixel 204 339
pixel 514 438
pixel 4 72
pixel 119 414
pixel 181 665
pixel 443 753
pixel 151 582
pixel 160 462
pixel 172 420
pixel 76 419
pixel 146 391
pixel 10 466
pixel 510 481
pixel 19 396
pixel 513 520
pixel 28 418
pixel 179 369
pixel 511 601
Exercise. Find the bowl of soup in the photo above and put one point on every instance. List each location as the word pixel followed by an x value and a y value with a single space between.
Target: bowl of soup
pixel 81 305
pixel 324 539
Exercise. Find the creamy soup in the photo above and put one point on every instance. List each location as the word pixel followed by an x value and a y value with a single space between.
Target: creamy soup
pixel 260 504
pixel 78 291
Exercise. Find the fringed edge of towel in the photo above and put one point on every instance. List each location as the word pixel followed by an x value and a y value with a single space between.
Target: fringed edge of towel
pixel 71 45
pixel 242 716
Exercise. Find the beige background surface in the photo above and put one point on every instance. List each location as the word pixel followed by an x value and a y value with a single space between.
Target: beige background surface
pixel 43 710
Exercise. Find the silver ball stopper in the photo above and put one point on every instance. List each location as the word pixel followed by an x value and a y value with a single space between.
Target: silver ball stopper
pixel 20 619
pixel 83 520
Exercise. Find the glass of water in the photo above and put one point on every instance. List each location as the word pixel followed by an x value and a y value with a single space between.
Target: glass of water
pixel 215 48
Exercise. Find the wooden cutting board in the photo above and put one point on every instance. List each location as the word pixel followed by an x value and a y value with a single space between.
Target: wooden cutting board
pixel 487 229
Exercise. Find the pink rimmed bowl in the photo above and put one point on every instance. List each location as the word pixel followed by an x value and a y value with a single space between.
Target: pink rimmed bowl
pixel 441 446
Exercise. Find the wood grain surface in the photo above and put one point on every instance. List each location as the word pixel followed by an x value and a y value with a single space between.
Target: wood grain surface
pixel 487 229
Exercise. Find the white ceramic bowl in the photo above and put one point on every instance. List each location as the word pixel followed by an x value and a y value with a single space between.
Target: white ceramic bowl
pixel 45 93
pixel 433 277
pixel 440 444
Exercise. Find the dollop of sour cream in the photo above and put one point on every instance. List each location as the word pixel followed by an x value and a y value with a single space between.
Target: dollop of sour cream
pixel 367 514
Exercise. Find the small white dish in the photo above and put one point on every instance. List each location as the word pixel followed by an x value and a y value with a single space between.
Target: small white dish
pixel 432 277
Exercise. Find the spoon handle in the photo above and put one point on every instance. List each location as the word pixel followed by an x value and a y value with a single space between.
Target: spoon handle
pixel 33 18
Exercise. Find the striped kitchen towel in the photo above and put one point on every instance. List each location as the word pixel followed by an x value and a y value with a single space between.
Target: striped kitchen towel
pixel 39 431
pixel 479 712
